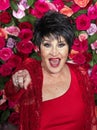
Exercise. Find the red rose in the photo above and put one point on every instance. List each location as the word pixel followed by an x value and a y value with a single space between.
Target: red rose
pixel 25 47
pixel 39 9
pixel 82 22
pixel 5 17
pixel 5 53
pixel 26 34
pixel 79 58
pixel 6 69
pixel 94 75
pixel 25 25
pixel 14 60
pixel 58 3
pixel 80 45
pixel 75 8
pixel 3 106
pixel 88 56
pixel 14 118
pixel 2 42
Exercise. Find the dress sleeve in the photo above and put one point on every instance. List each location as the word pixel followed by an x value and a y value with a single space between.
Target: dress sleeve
pixel 12 92
pixel 88 96
pixel 29 100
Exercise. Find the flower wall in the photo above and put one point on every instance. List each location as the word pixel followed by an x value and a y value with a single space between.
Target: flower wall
pixel 17 18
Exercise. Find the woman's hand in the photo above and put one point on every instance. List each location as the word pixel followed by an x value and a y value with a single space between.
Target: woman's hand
pixel 21 79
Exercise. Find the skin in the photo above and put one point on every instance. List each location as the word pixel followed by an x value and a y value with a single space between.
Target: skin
pixel 54 53
pixel 56 74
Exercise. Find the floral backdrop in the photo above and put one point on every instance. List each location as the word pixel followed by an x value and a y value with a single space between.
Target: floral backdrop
pixel 17 18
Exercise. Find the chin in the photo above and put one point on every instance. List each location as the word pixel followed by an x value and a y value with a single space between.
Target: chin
pixel 55 70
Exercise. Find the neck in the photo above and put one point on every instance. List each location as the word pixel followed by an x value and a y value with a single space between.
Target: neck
pixel 62 73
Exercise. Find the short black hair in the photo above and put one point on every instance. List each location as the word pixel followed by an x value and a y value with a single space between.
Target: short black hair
pixel 53 23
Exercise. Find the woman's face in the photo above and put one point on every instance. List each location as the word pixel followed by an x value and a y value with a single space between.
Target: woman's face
pixel 54 53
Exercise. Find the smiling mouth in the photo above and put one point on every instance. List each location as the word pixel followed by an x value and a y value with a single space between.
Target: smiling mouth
pixel 54 62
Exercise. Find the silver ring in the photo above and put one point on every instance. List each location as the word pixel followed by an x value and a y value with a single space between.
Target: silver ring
pixel 16 81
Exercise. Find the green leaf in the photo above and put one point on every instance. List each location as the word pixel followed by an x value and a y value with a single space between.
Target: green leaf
pixel 79 13
pixel 30 2
pixel 35 55
pixel 94 1
pixel 95 58
pixel 92 39
pixel 28 18
pixel 3 80
pixel 13 5
pixel 4 116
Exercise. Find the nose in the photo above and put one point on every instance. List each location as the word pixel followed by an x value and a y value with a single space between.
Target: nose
pixel 54 51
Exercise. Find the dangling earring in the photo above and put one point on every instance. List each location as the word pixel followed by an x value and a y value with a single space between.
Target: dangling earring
pixel 37 50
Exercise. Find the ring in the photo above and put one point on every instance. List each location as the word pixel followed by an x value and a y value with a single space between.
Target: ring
pixel 16 81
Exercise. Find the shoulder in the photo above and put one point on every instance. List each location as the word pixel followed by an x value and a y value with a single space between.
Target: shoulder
pixel 81 73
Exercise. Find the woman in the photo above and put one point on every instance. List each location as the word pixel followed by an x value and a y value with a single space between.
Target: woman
pixel 52 93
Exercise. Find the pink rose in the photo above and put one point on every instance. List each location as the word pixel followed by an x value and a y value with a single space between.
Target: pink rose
pixel 10 42
pixel 23 5
pixel 66 11
pixel 82 22
pixel 3 33
pixel 80 46
pixel 92 29
pixel 92 12
pixel 12 30
pixel 51 6
pixel 83 36
pixel 94 45
pixel 25 47
pixel 5 17
pixel 26 34
pixel 4 4
pixel 6 69
pixel 19 14
pixel 82 3
pixel 2 42
pixel 5 53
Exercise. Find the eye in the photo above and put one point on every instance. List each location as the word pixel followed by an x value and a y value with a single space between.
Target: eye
pixel 61 45
pixel 47 45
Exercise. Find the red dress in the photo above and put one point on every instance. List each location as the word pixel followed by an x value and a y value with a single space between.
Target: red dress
pixel 68 109
pixel 66 112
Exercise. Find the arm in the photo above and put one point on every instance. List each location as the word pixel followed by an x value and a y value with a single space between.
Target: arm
pixel 14 90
